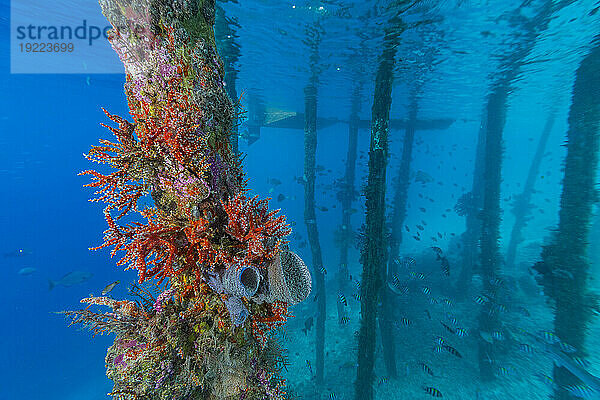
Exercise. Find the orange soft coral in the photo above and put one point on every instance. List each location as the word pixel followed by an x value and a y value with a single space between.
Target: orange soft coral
pixel 259 230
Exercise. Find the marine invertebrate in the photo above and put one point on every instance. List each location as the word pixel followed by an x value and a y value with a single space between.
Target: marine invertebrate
pixel 214 272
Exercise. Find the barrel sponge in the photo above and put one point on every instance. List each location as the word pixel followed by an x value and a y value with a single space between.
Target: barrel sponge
pixel 289 278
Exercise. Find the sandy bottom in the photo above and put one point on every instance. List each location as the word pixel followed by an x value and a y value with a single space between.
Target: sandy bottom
pixel 455 378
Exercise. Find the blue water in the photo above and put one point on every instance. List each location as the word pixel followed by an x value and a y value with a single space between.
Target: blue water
pixel 47 121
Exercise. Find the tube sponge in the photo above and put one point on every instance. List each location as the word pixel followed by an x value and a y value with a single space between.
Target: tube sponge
pixel 241 281
pixel 237 311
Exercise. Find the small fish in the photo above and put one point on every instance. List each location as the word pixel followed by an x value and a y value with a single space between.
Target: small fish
pixel 452 319
pixel 567 348
pixel 426 290
pixel 549 337
pixel 497 281
pixel 417 275
pixel 323 270
pixel 356 296
pixel 440 340
pixel 498 335
pixel 274 181
pixel 545 379
pixel 344 320
pixel 407 228
pixel 503 372
pixel 422 209
pixel 280 197
pixel 481 300
pixel 438 349
pixel 427 313
pixel 404 321
pixel 420 227
pixel 445 266
pixel 437 250
pixel 342 299
pixel 323 208
pixel 27 271
pixel 406 262
pixel 109 287
pixel 332 396
pixel 426 369
pixel 70 279
pixel 308 323
pixel 499 308
pixel 348 365
pixel 448 302
pixel 397 288
pixel 383 380
pixel 423 177
pixel 525 348
pixel 460 332
pixel 309 366
pixel 17 253
pixel 582 391
pixel 452 351
pixel 432 391
pixel 448 328
pixel 582 362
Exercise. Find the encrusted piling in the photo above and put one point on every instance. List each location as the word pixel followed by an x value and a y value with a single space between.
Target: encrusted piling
pixel 310 218
pixel 388 310
pixel 374 249
pixel 490 215
pixel 564 269
pixel 490 224
pixel 215 275
pixel 347 195
pixel 469 206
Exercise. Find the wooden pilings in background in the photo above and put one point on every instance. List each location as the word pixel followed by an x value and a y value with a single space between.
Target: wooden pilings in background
pixel 310 218
pixel 567 252
pixel 522 206
pixel 347 195
pixel 374 252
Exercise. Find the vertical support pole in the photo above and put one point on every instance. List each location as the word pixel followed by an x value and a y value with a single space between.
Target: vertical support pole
pixel 374 253
pixel 522 206
pixel 310 218
pixel 567 252
pixel 347 196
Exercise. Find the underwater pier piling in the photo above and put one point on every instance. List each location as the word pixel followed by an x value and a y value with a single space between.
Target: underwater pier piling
pixel 522 205
pixel 469 206
pixel 401 185
pixel 214 274
pixel 347 195
pixel 495 115
pixel 373 257
pixel 490 223
pixel 564 268
pixel 310 218
pixel 399 202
